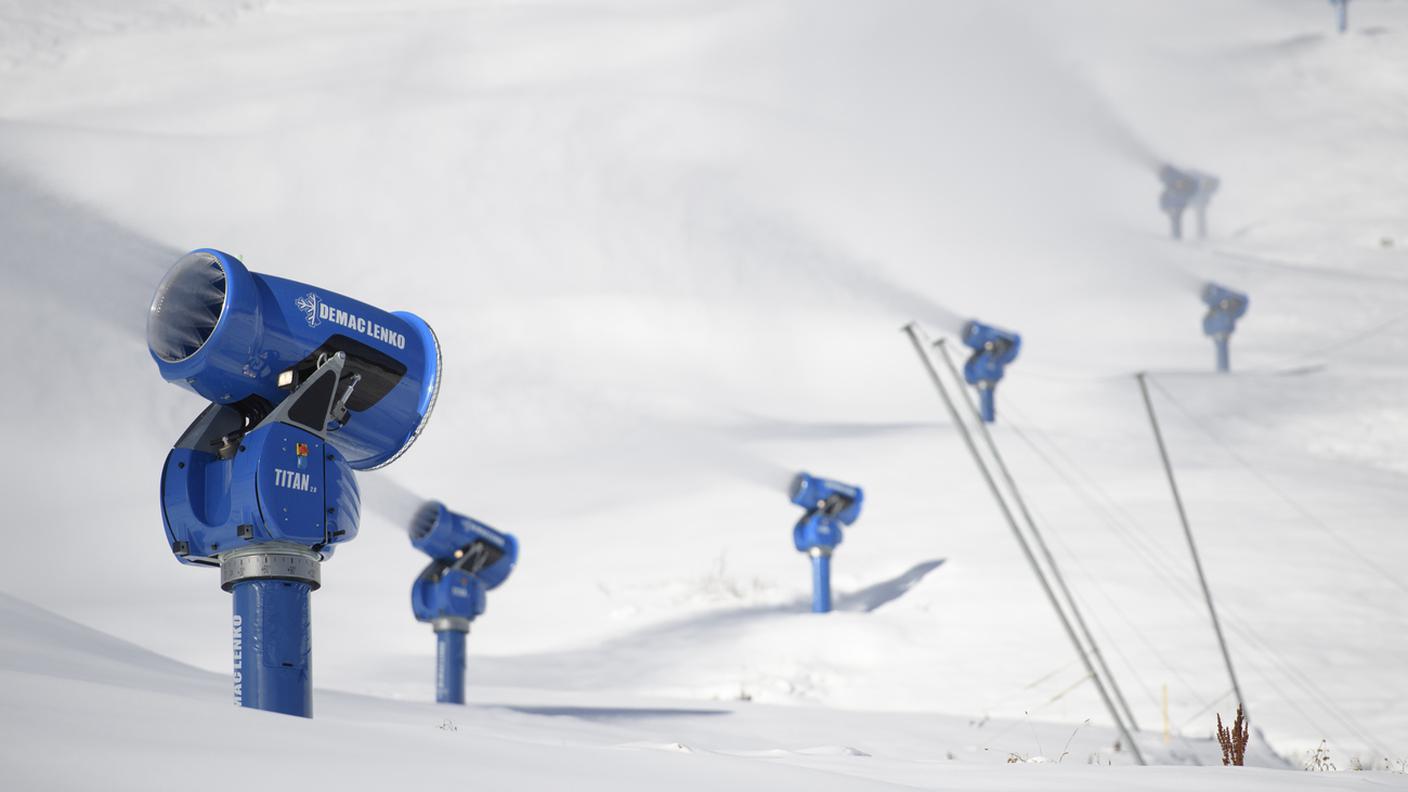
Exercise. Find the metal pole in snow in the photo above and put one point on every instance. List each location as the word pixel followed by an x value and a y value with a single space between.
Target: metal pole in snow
pixel 921 347
pixel 1192 547
pixel 273 644
pixel 449 664
pixel 1041 543
pixel 821 579
pixel 1224 355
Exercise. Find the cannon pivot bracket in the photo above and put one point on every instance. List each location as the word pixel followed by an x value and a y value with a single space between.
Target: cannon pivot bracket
pixel 311 405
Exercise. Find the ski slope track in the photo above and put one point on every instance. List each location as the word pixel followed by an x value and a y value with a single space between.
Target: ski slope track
pixel 667 248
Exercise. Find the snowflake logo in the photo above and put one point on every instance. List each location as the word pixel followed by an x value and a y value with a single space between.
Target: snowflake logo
pixel 309 305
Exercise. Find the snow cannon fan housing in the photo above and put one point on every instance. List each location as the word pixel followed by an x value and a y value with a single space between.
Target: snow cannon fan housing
pixel 454 538
pixel 470 558
pixel 244 339
pixel 993 348
pixel 830 505
pixel 1225 307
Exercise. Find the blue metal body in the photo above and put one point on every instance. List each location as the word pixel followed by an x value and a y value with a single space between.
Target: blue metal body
pixel 273 648
pixel 468 559
pixel 816 529
pixel 993 348
pixel 449 666
pixel 264 326
pixel 443 592
pixel 1225 307
pixel 830 505
pixel 284 484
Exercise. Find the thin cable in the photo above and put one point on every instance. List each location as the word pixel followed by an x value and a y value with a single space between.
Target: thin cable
pixel 1154 560
pixel 1037 535
pixel 1296 506
pixel 1305 682
pixel 1112 524
pixel 921 347
pixel 1192 546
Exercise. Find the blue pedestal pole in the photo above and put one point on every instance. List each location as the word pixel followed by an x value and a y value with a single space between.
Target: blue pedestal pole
pixel 449 665
pixel 821 580
pixel 273 646
pixel 273 626
pixel 1224 355
pixel 986 403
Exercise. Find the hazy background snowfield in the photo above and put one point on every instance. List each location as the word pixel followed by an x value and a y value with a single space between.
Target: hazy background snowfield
pixel 667 248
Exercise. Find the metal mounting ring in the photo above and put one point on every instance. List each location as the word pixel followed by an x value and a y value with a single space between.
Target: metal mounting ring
pixel 270 561
pixel 450 624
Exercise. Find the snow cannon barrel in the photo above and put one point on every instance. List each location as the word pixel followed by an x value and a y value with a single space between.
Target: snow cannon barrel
pixel 1225 307
pixel 993 348
pixel 830 505
pixel 237 337
pixel 840 501
pixel 454 538
pixel 469 559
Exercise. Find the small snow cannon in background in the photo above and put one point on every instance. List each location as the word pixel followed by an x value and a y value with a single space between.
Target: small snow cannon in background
pixel 305 386
pixel 830 505
pixel 1184 188
pixel 1341 14
pixel 1225 307
pixel 468 559
pixel 993 348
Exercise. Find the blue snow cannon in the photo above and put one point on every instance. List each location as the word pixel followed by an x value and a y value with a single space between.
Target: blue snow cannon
pixel 1225 307
pixel 305 386
pixel 468 558
pixel 830 505
pixel 993 348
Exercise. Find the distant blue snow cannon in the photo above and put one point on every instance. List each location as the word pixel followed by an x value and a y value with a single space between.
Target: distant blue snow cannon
pixel 993 348
pixel 468 559
pixel 1225 307
pixel 830 505
pixel 305 386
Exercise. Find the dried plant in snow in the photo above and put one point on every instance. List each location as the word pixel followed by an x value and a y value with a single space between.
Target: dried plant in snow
pixel 1320 760
pixel 1234 740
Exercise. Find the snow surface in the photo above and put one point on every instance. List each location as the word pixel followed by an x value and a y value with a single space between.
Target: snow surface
pixel 667 247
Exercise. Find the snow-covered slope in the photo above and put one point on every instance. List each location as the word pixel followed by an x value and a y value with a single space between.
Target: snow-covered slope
pixel 91 711
pixel 667 247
